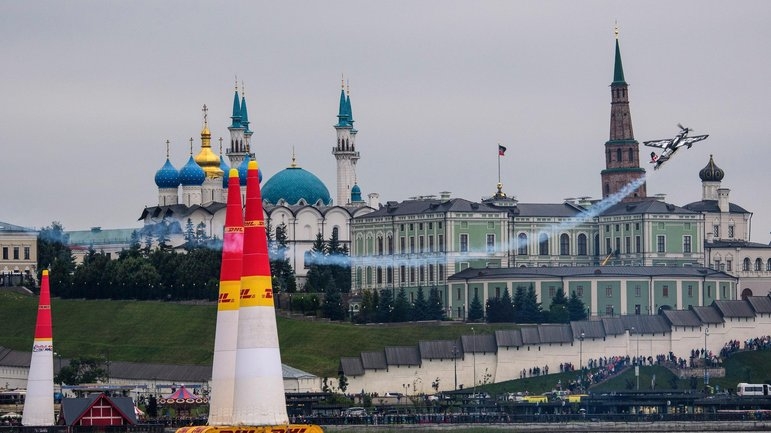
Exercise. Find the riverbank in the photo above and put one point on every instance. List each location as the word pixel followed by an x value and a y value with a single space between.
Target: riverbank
pixel 572 427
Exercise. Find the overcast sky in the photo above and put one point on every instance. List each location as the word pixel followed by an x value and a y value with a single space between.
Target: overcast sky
pixel 91 90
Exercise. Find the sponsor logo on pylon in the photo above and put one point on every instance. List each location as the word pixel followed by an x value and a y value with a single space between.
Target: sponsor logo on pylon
pixel 246 294
pixel 268 294
pixel 225 298
pixel 255 223
pixel 234 229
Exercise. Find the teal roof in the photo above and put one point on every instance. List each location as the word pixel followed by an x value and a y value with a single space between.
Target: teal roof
pixel 618 68
pixel 236 116
pixel 244 114
pixel 343 114
pixel 294 184
pixel 355 194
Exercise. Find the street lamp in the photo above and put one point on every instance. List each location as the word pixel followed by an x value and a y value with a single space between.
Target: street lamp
pixel 706 356
pixel 637 359
pixel 581 356
pixel 474 355
pixel 455 363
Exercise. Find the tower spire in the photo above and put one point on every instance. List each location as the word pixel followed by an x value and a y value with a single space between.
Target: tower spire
pixel 622 151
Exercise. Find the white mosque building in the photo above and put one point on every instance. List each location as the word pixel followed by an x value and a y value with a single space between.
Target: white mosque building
pixel 195 195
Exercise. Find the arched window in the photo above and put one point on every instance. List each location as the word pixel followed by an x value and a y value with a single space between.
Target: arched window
pixel 631 155
pixel 522 244
pixel 564 244
pixel 582 251
pixel 758 264
pixel 768 265
pixel 618 155
pixel 543 244
pixel 389 275
pixel 380 275
pixel 380 245
pixel 369 276
pixel 746 264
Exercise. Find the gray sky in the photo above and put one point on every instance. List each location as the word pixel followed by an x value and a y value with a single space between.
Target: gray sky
pixel 91 90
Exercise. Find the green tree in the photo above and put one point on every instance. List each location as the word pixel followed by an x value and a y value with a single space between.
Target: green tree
pixel 84 369
pixel 55 255
pixel 475 311
pixel 318 278
pixel 401 310
pixel 558 309
pixel 576 308
pixel 435 309
pixel 333 307
pixel 280 267
pixel 420 306
pixel 385 305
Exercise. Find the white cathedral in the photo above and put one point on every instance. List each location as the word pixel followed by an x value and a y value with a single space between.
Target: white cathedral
pixel 195 195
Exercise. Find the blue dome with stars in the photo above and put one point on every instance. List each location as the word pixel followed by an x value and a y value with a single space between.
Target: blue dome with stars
pixel 167 176
pixel 243 168
pixel 294 184
pixel 191 174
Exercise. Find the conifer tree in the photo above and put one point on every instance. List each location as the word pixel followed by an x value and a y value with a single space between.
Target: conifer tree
pixel 576 307
pixel 476 312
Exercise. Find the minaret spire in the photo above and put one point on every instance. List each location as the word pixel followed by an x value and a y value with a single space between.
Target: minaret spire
pixel 345 151
pixel 622 151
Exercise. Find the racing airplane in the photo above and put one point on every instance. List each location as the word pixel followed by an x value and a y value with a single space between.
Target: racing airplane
pixel 671 145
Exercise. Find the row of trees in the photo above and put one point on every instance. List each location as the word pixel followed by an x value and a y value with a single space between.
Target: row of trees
pixel 525 308
pixel 383 306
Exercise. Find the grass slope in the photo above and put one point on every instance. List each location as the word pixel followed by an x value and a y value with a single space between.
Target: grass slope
pixel 184 334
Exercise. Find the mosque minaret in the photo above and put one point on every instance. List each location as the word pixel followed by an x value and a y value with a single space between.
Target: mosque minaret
pixel 345 151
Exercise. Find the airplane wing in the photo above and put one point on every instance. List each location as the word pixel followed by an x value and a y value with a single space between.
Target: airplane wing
pixel 688 141
pixel 658 143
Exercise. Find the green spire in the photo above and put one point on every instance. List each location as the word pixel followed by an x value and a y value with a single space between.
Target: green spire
pixel 618 69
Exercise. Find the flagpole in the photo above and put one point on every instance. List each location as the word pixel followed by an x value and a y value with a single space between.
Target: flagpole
pixel 499 163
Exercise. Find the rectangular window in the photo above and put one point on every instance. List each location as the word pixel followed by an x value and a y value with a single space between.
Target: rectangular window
pixel 716 231
pixel 609 292
pixel 431 243
pixel 628 245
pixel 389 275
pixel 637 291
pixel 403 245
pixel 441 273
pixel 608 310
pixel 626 226
pixel 497 293
pixel 16 253
pixel 552 291
pixel 617 227
pixel 607 228
pixel 690 290
pixel 401 227
pixel 5 253
pixel 729 265
pixel 431 273
pixel 430 225
pixel 440 243
pixel 412 226
pixel 618 246
pixel 608 247
pixel 661 245
pixel 26 253
pixel 490 243
pixel 380 246
pixel 637 244
pixel 390 245
pixel 464 243
pixel 665 291
pixel 439 225
pixel 637 226
pixel 637 309
pixel 412 274
pixel 420 226
pixel 422 274
pixel 421 244
pixel 457 292
pixel 412 244
pixel 730 232
pixel 687 244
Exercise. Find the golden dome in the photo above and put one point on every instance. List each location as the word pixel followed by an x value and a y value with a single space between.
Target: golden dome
pixel 206 159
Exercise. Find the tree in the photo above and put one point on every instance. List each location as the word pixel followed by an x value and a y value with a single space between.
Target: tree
pixel 318 278
pixel 84 369
pixel 368 309
pixel 342 383
pixel 435 309
pixel 190 238
pixel 283 274
pixel 401 310
pixel 56 256
pixel 558 309
pixel 333 307
pixel 385 306
pixel 475 311
pixel 339 262
pixel 529 309
pixel 500 310
pixel 420 306
pixel 576 308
